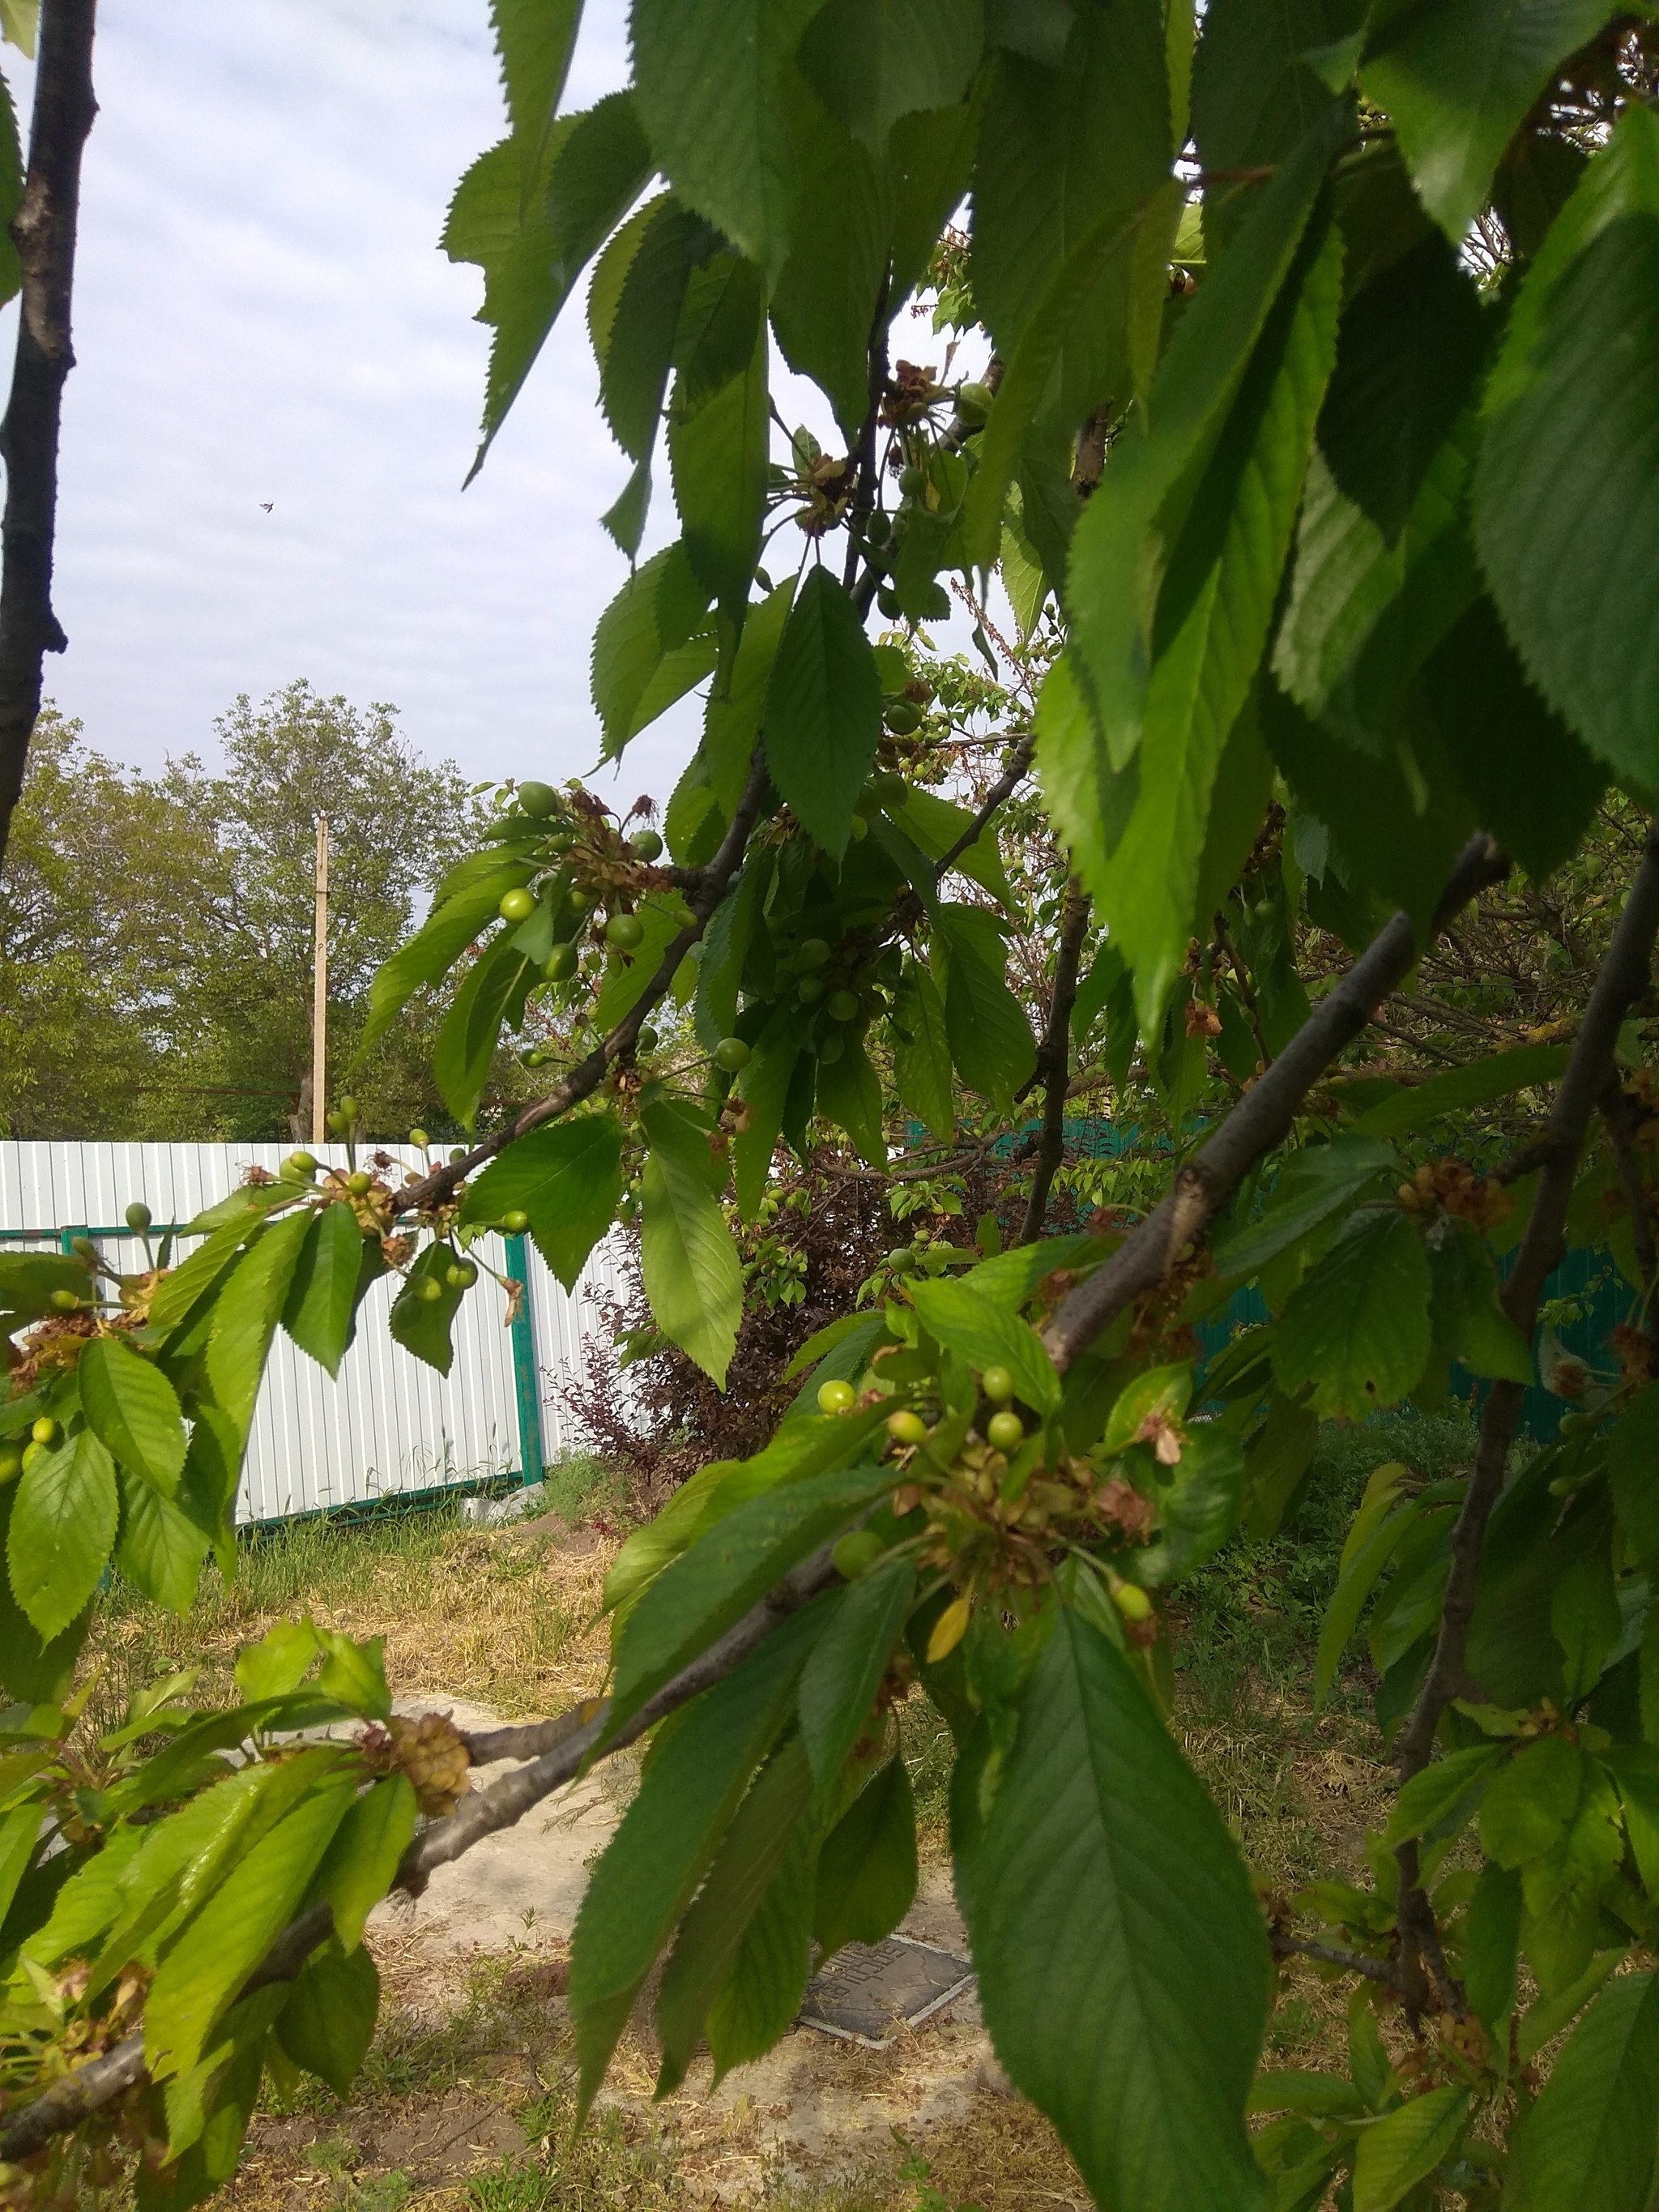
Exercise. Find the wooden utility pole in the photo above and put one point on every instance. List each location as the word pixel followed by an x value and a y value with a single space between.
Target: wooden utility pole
pixel 319 991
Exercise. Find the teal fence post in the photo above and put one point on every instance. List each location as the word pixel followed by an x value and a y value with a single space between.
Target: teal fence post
pixel 527 1384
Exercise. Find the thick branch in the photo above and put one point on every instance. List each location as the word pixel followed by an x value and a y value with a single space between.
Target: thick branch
pixel 1262 1120
pixel 562 1746
pixel 1055 1060
pixel 587 1076
pixel 44 230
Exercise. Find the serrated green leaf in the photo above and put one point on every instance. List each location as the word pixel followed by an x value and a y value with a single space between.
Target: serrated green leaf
pixel 435 948
pixel 328 2022
pixel 840 1680
pixel 732 721
pixel 357 1869
pixel 866 1878
pixel 990 1038
pixel 1468 1319
pixel 1459 1088
pixel 698 1595
pixel 245 1316
pixel 717 451
pixel 823 710
pixel 567 1177
pixel 131 1407
pixel 693 1276
pixel 764 1087
pixel 1447 1789
pixel 321 1307
pixel 1354 1585
pixel 1406 2146
pixel 634 312
pixel 1565 530
pixel 1316 1182
pixel 921 1052
pixel 161 1549
pixel 27 1280
pixel 1455 81
pixel 424 1325
pixel 824 303
pixel 652 618
pixel 1590 2139
pixel 471 1029
pixel 849 1095
pixel 1357 1328
pixel 1100 1860
pixel 62 1526
pixel 987 1336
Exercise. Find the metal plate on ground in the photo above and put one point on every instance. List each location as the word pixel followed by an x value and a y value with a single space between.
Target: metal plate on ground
pixel 869 1992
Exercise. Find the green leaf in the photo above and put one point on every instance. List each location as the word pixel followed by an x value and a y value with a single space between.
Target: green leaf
pixel 471 1029
pixel 1459 1088
pixel 567 1177
pixel 849 1095
pixel 322 1298
pixel 242 1917
pixel 987 1336
pixel 1406 2146
pixel 872 61
pixel 825 300
pixel 534 41
pixel 764 1087
pixel 706 78
pixel 662 916
pixel 1118 544
pixel 698 1595
pixel 354 1672
pixel 1633 1468
pixel 844 1361
pixel 1357 1328
pixel 759 2000
pixel 644 645
pixel 1354 1585
pixel 648 1873
pixel 693 1275
pixel 838 1683
pixel 27 1280
pixel 921 1052
pixel 278 1663
pixel 435 947
pixel 1064 160
pixel 867 1868
pixel 732 721
pixel 532 244
pixel 1197 1502
pixel 62 1525
pixel 1456 81
pixel 989 1036
pixel 328 2022
pixel 1590 2139
pixel 1214 609
pixel 823 711
pixel 1316 1182
pixel 1564 531
pixel 34 1670
pixel 1492 1944
pixel 1526 1810
pixel 134 1410
pixel 1255 91
pixel 161 1549
pixel 1469 1322
pixel 1122 1955
pixel 712 1932
pixel 717 450
pixel 1446 1791
pixel 245 1313
pixel 936 826
pixel 634 312
pixel 422 1325
pixel 358 1867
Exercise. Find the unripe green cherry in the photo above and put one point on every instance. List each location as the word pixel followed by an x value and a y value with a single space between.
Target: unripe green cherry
pixel 647 844
pixel 360 1183
pixel 973 404
pixel 998 1385
pixel 430 1291
pixel 65 1301
pixel 907 1428
pixel 855 1554
pixel 625 932
pixel 515 1222
pixel 813 953
pixel 44 1430
pixel 731 1054
pixel 842 1006
pixel 901 716
pixel 648 1040
pixel 11 1462
pixel 461 1276
pixel 901 1258
pixel 858 828
pixel 561 964
pixel 810 990
pixel 335 1121
pixel 889 787
pixel 832 1049
pixel 517 905
pixel 348 1109
pixel 538 800
pixel 1004 1433
pixel 912 481
pixel 416 1137
pixel 139 1216
pixel 888 601
pixel 457 1152
pixel 1132 1601
pixel 836 1397
pixel 299 1163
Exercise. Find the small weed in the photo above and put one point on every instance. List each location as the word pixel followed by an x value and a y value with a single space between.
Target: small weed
pixel 918 2169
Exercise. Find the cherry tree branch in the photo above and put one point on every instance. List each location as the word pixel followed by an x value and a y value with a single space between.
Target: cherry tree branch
pixel 44 231
pixel 1261 1119
pixel 1055 1059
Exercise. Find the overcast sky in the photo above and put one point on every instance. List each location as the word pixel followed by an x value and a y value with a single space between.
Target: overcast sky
pixel 262 313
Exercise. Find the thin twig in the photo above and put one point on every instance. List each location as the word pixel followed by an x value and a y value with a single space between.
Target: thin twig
pixel 1623 977
pixel 44 231
pixel 1333 1954
pixel 1262 1120
pixel 1055 1060
pixel 1019 760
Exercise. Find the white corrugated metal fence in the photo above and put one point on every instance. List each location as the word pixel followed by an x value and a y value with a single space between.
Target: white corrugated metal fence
pixel 389 1423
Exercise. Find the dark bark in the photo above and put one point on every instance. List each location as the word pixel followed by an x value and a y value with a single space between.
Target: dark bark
pixel 1055 1060
pixel 44 230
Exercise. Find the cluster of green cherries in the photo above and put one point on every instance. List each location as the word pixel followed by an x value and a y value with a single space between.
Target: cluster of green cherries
pixel 16 1455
